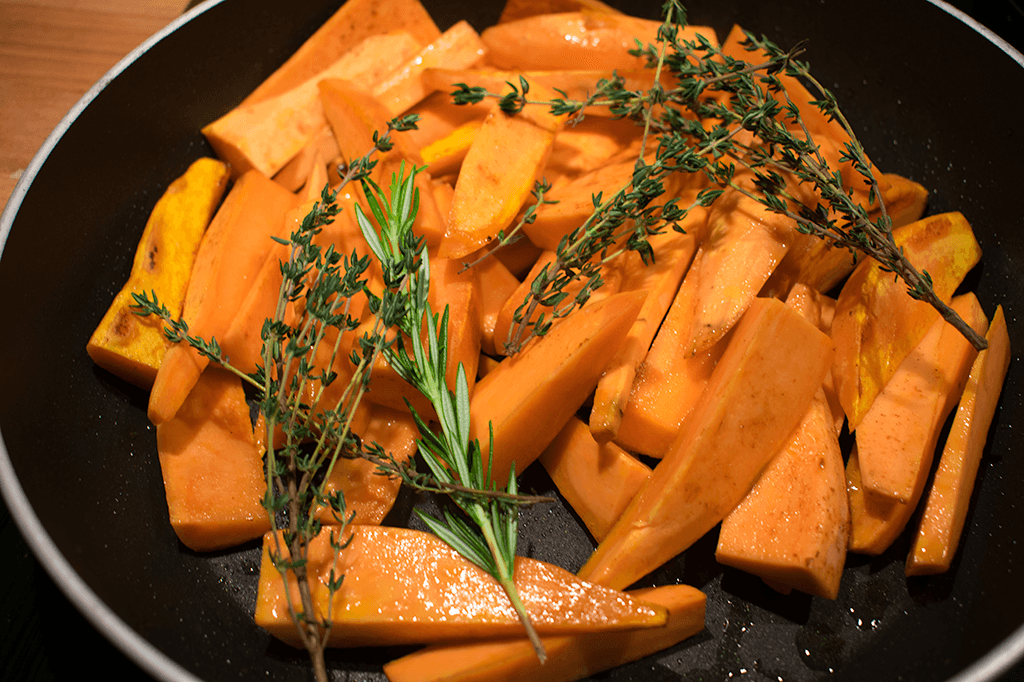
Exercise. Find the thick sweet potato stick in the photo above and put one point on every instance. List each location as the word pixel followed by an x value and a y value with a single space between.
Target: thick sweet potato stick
pixel 945 509
pixel 454 599
pixel 758 393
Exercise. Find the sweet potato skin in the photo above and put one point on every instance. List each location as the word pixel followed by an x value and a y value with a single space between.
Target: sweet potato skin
pixel 877 324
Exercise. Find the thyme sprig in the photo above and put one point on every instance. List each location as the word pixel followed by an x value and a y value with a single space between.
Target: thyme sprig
pixel 723 118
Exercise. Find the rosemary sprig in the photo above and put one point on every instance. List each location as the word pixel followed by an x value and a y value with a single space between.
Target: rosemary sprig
pixel 420 356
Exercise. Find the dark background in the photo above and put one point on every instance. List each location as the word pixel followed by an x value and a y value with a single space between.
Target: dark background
pixel 44 638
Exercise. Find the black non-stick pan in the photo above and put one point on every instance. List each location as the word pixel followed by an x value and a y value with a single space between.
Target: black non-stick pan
pixel 931 98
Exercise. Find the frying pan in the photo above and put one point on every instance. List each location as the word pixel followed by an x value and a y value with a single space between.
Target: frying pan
pixel 931 99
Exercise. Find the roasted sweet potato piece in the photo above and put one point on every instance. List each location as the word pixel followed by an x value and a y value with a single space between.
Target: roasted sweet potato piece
pixel 570 657
pixel 133 347
pixel 530 396
pixel 945 509
pixel 673 253
pixel 670 381
pixel 486 201
pixel 904 423
pixel 454 599
pixel 213 473
pixel 575 40
pixel 230 255
pixel 597 480
pixel 354 21
pixel 757 395
pixel 877 323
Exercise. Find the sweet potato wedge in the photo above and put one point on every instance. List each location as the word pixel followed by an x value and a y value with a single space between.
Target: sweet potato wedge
pixel 575 40
pixel 793 526
pixel 877 323
pixel 758 393
pixel 670 381
pixel 570 657
pixel 353 22
pixel 133 347
pixel 911 410
pixel 530 396
pixel 267 134
pixel 744 243
pixel 457 48
pixel 945 509
pixel 891 439
pixel 673 253
pixel 597 480
pixel 453 598
pixel 212 471
pixel 486 202
pixel 368 493
pixel 229 257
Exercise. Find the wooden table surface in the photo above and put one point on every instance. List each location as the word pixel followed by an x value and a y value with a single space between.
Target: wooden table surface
pixel 51 52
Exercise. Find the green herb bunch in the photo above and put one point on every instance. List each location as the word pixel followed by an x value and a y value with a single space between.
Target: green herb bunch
pixel 305 436
pixel 732 121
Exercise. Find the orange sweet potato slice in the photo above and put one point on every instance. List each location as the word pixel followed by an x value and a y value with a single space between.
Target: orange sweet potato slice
pixel 369 494
pixel 212 470
pixel 670 381
pixel 530 396
pixel 269 133
pixel 229 257
pixel 945 509
pixel 580 40
pixel 575 201
pixel 354 21
pixel 457 48
pixel 355 116
pixel 597 480
pixel 758 393
pixel 454 599
pixel 487 201
pixel 130 346
pixel 892 438
pixel 912 409
pixel 877 323
pixel 497 286
pixel 569 657
pixel 744 243
pixel 673 253
pixel 793 526
pixel 520 9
